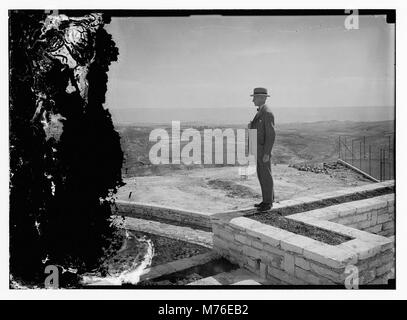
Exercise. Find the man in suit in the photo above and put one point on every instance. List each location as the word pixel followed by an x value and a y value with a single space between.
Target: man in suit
pixel 263 122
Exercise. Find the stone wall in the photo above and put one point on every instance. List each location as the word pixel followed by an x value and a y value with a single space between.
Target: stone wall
pixel 161 213
pixel 287 258
pixel 361 215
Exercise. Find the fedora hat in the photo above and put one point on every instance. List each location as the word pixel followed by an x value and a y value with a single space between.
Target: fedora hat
pixel 260 91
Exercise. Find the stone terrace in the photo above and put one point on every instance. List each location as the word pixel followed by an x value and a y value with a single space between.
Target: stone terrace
pixel 284 257
pixel 271 255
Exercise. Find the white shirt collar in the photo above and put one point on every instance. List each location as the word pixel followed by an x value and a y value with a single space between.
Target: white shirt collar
pixel 261 107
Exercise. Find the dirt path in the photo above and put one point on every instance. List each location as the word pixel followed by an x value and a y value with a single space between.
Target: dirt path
pixel 219 189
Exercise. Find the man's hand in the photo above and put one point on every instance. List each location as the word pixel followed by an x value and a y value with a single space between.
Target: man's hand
pixel 266 158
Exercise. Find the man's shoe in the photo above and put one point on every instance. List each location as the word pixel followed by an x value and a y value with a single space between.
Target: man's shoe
pixel 264 207
pixel 258 204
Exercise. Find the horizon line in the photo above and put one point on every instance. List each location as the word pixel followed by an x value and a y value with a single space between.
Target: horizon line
pixel 244 107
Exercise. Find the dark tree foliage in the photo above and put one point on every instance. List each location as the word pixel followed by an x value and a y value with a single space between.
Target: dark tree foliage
pixel 65 220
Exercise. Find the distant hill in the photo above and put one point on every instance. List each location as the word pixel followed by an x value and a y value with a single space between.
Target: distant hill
pixel 240 115
pixel 295 142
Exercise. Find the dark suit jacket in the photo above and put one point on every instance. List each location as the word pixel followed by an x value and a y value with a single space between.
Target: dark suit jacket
pixel 266 135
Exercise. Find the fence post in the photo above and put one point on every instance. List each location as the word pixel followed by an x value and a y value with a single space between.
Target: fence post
pixel 352 152
pixel 360 154
pixel 384 164
pixel 346 146
pixel 364 147
pixel 370 159
pixel 339 147
pixel 389 158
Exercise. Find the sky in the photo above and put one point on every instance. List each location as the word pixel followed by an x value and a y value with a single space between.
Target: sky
pixel 215 62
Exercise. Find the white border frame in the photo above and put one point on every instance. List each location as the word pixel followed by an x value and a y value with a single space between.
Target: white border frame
pixel 143 294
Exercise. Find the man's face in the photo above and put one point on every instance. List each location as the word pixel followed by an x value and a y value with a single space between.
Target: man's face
pixel 259 100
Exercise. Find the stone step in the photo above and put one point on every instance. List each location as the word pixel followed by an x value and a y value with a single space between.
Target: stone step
pixel 235 277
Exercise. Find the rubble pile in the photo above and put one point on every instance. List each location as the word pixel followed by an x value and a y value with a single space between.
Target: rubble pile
pixel 317 167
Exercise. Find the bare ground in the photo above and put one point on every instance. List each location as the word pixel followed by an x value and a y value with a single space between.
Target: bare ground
pixel 213 190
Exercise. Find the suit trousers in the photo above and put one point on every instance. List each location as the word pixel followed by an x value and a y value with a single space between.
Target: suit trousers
pixel 266 180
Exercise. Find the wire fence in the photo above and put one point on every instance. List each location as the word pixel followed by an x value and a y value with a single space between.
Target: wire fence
pixel 373 155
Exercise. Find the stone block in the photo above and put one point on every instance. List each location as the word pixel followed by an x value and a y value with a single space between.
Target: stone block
pixel 384 218
pixel 346 209
pixel 284 276
pixel 384 268
pixel 363 225
pixel 296 243
pixel 227 236
pixel 325 213
pixel 251 252
pixel 335 275
pixel 344 220
pixel 368 204
pixel 273 249
pixel 361 217
pixel 332 256
pixel 254 264
pixel 289 263
pixel 244 223
pixel 307 276
pixel 380 280
pixel 388 225
pixel 263 270
pixel 351 232
pixel 271 235
pixel 242 239
pixel 221 243
pixel 386 256
pixel 373 218
pixel 254 235
pixel 362 249
pixel 302 263
pixel 382 211
pixel 375 229
pixel 367 276
pixel 275 260
pixel 302 216
pixel 257 244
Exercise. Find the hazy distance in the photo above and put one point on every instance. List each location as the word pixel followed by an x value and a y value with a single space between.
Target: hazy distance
pixel 224 116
